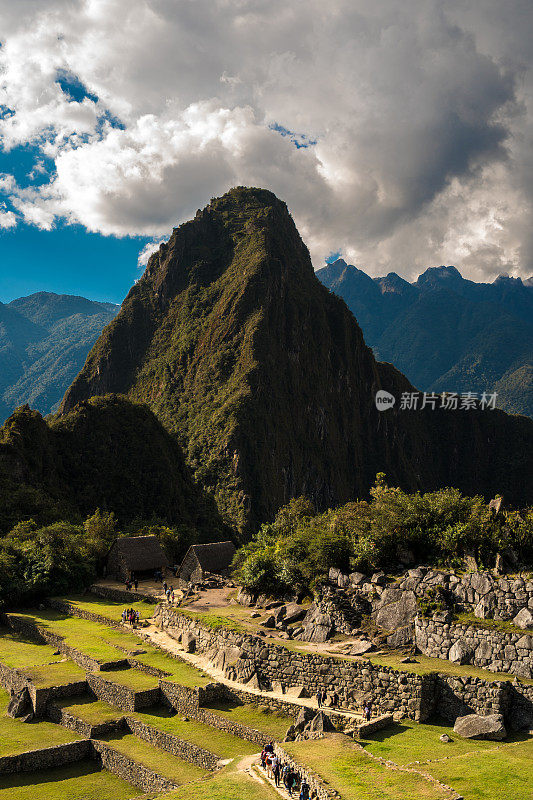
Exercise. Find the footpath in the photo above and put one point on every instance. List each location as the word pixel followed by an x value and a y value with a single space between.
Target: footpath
pixel 166 642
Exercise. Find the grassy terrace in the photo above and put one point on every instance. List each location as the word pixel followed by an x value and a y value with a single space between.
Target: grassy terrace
pixel 425 665
pixel 259 717
pixel 225 785
pixel 55 674
pixel 356 776
pixel 502 772
pixel 81 781
pixel 409 742
pixel 102 642
pixel 480 770
pixel 179 671
pixel 111 609
pixel 18 652
pixel 222 744
pixel 85 707
pixel 18 737
pixel 132 678
pixel 94 639
pixel 160 761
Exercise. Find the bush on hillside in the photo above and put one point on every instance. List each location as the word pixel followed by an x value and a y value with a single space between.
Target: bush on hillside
pixel 296 551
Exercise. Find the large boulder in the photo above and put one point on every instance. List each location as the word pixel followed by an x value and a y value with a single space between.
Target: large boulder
pixel 360 647
pixel 459 653
pixel 320 723
pixel 473 726
pixel 245 598
pixel 20 704
pixel 397 608
pixel 188 640
pixel 293 613
pixel 304 717
pixel 524 619
pixel 402 636
pixel 317 627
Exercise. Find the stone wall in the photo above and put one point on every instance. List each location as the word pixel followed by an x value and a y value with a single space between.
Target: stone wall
pixel 131 771
pixel 45 758
pixel 121 595
pixel 401 693
pixel 68 720
pixel 13 680
pixel 497 651
pixel 172 744
pixel 123 697
pixel 316 784
pixel 391 691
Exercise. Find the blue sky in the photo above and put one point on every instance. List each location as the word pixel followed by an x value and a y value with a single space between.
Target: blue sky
pixel 67 260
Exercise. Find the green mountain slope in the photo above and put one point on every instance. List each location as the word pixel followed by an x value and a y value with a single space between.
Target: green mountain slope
pixel 44 340
pixel 108 453
pixel 444 332
pixel 264 379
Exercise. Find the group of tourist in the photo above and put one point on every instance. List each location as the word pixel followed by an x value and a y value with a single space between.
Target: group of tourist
pixel 322 697
pixel 131 582
pixel 169 592
pixel 130 616
pixel 281 772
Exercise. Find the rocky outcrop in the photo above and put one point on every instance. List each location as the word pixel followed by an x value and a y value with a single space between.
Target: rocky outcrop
pixel 474 726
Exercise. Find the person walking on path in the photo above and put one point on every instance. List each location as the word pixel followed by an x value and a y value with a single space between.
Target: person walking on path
pixel 319 698
pixel 304 790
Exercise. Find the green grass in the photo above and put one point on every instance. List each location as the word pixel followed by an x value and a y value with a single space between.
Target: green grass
pixel 356 776
pixel 225 786
pixel 408 741
pixel 110 609
pixel 486 624
pixel 160 761
pixel 94 639
pixel 249 714
pixel 425 665
pixel 56 674
pixel 179 671
pixel 17 651
pixel 222 744
pixel 502 772
pixel 18 737
pixel 214 621
pixel 81 781
pixel 85 707
pixel 132 678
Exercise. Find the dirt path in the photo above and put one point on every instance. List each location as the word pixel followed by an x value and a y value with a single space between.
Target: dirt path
pixel 168 643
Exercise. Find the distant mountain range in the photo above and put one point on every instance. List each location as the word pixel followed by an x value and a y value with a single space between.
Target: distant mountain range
pixel 445 332
pixel 44 341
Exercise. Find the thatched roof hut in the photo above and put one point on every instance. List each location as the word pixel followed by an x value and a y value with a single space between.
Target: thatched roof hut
pixel 135 554
pixel 215 557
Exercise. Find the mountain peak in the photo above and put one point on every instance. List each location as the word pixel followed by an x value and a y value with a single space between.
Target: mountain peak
pixel 393 284
pixel 437 276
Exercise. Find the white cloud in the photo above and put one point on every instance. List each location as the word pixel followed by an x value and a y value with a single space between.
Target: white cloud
pixel 7 219
pixel 148 249
pixel 421 112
